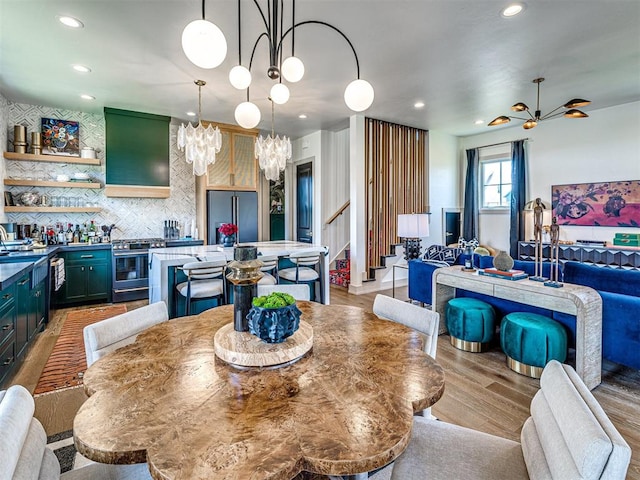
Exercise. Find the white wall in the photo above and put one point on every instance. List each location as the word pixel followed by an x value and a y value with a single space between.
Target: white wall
pixel 444 181
pixel 603 147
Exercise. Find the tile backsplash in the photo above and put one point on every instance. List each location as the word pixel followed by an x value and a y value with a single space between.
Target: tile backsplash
pixel 133 217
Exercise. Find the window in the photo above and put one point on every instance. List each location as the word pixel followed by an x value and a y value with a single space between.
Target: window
pixel 495 189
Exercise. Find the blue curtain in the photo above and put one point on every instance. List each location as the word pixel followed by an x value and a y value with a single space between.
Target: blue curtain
pixel 471 210
pixel 518 194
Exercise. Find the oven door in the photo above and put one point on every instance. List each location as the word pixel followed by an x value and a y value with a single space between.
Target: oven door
pixel 130 275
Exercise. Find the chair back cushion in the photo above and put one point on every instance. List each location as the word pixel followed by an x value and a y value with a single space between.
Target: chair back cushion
pixel 108 335
pixel 572 432
pixel 23 452
pixel 204 270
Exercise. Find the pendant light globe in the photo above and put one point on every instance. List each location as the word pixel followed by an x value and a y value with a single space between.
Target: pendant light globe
pixel 204 44
pixel 292 69
pixel 359 95
pixel 279 93
pixel 247 115
pixel 240 77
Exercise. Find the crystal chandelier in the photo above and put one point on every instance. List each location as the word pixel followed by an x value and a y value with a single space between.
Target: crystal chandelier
pixel 273 152
pixel 201 143
pixel 206 47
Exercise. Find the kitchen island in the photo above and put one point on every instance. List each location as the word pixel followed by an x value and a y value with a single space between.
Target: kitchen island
pixel 163 263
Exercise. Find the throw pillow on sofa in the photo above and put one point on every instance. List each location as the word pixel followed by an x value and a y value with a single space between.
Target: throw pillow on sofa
pixel 439 253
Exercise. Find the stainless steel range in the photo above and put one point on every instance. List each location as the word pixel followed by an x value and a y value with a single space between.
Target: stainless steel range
pixel 131 267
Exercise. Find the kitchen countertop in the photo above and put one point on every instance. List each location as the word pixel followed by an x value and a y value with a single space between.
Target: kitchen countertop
pixel 10 272
pixel 51 250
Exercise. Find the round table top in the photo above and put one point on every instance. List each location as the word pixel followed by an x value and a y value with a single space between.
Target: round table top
pixel 346 407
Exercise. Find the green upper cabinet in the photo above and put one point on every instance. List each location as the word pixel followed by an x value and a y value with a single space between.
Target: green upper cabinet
pixel 137 156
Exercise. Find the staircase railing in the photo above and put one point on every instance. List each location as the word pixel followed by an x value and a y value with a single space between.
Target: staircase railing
pixel 339 212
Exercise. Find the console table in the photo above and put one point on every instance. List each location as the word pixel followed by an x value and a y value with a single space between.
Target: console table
pixel 583 302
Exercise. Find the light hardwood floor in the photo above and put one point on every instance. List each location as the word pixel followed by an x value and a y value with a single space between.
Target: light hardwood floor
pixel 481 392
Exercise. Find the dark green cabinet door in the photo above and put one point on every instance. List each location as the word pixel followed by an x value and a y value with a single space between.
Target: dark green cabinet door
pixel 98 284
pixel 38 307
pixel 76 283
pixel 23 304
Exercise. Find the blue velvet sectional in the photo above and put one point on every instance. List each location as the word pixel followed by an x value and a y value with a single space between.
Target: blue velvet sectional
pixel 619 289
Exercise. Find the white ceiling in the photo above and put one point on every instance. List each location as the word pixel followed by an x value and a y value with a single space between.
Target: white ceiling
pixel 460 57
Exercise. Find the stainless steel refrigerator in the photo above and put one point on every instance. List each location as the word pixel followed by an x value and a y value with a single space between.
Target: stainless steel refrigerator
pixel 240 208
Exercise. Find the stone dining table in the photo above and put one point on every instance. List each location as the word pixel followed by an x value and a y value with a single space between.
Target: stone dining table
pixel 344 408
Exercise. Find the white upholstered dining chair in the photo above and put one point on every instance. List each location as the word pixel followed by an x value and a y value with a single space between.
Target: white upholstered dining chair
pixel 112 333
pixel 24 454
pixel 304 270
pixel 269 268
pixel 204 280
pixel 412 316
pixel 567 436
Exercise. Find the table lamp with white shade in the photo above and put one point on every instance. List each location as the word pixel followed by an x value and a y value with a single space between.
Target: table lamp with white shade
pixel 412 227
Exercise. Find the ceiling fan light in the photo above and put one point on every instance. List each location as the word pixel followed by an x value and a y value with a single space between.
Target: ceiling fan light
pixel 292 69
pixel 519 107
pixel 204 44
pixel 279 93
pixel 240 77
pixel 576 102
pixel 529 124
pixel 359 95
pixel 573 113
pixel 247 115
pixel 501 120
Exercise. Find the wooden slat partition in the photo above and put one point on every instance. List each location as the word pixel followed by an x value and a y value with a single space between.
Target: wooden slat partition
pixel 397 178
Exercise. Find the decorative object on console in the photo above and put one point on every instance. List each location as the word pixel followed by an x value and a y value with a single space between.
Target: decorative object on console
pixel 274 317
pixel 272 151
pixel 61 137
pixel 201 143
pixel 205 46
pixel 412 227
pixel 503 261
pixel 244 273
pixel 228 233
pixel 537 206
pixel 533 120
pixel 441 256
pixel 605 204
pixel 555 258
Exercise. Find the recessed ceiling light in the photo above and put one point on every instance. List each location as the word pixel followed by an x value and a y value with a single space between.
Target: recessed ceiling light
pixel 513 10
pixel 479 122
pixel 418 105
pixel 302 115
pixel 84 96
pixel 81 69
pixel 70 21
pixel 191 114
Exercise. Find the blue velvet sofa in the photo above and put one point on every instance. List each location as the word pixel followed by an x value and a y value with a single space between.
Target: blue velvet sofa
pixel 620 292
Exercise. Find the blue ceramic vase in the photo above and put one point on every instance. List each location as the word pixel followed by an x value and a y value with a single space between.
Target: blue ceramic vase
pixel 274 325
pixel 228 240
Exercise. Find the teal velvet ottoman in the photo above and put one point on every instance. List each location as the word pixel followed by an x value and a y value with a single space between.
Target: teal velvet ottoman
pixel 530 341
pixel 471 323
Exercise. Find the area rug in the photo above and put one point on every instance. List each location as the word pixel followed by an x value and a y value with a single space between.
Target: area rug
pixel 67 361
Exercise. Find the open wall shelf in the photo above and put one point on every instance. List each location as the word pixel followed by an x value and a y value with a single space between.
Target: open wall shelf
pixel 30 157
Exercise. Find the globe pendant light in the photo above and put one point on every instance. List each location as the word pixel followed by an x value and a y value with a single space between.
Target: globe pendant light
pixel 203 43
pixel 534 119
pixel 247 115
pixel 240 77
pixel 199 143
pixel 358 95
pixel 272 151
pixel 292 69
pixel 279 93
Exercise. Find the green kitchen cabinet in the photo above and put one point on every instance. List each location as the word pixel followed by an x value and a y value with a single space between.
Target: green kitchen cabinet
pixel 7 331
pixel 23 305
pixel 87 277
pixel 38 310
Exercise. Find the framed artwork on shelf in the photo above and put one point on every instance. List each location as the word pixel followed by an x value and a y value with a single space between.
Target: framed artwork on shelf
pixel 60 137
pixel 605 204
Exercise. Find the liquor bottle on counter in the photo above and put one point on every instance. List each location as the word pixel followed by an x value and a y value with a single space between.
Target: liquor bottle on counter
pixel 76 234
pixel 166 229
pixel 69 233
pixel 62 238
pixel 84 236
pixel 91 233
